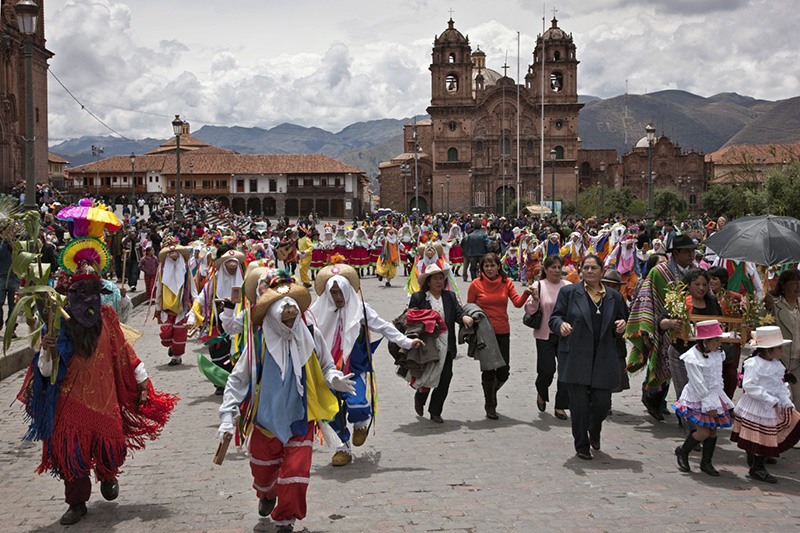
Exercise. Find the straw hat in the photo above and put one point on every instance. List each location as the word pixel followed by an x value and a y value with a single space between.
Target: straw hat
pixel 280 285
pixel 254 274
pixel 337 269
pixel 768 337
pixel 707 329
pixel 184 251
pixel 230 254
pixel 437 246
pixel 431 270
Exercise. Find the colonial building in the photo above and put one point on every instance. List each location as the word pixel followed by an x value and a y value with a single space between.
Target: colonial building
pixel 471 146
pixel 273 185
pixel 12 98
pixel 744 163
pixel 55 170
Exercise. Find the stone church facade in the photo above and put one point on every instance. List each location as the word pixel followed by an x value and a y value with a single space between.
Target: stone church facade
pixel 12 99
pixel 466 156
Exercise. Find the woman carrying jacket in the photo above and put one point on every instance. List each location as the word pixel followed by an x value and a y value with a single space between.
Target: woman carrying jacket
pixel 491 291
pixel 433 296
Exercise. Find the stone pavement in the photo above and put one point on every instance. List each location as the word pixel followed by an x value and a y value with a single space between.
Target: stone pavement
pixel 469 474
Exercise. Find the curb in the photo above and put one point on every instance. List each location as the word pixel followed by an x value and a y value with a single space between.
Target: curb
pixel 13 362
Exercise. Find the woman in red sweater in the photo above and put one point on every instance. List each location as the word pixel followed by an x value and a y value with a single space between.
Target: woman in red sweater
pixel 491 291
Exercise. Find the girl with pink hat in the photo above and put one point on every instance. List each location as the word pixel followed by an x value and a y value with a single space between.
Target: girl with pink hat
pixel 703 400
pixel 766 421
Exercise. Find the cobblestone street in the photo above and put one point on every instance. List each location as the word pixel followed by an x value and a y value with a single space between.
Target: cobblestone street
pixel 470 474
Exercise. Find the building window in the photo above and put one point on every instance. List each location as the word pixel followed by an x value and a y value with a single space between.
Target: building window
pixel 253 185
pixel 452 125
pixel 37 115
pixel 529 146
pixel 273 185
pixel 556 55
pixel 506 146
pixel 293 182
pixel 308 182
pixel 338 182
pixel 451 58
pixel 556 81
pixel 108 181
pixel 451 83
pixel 452 154
pixel 239 185
pixel 172 184
pixel 559 152
pixel 151 179
pixel 156 179
pixel 323 182
pixel 479 147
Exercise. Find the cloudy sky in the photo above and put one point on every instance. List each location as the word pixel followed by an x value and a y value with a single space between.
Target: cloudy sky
pixel 329 63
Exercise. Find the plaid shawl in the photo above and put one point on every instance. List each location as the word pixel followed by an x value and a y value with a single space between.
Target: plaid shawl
pixel 645 310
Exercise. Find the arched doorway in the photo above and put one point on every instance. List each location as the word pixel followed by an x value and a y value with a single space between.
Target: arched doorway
pixel 291 207
pixel 269 207
pixel 225 202
pixel 238 206
pixel 503 197
pixel 337 208
pixel 418 202
pixel 254 206
pixel 306 206
pixel 322 208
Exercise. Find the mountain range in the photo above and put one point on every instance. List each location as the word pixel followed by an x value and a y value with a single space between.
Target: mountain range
pixel 694 122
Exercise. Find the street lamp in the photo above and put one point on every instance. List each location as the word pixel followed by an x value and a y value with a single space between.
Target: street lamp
pixel 577 186
pixel 191 182
pixel 405 173
pixel 447 178
pixel 442 200
pixel 553 184
pixel 651 135
pixel 27 15
pixel 133 183
pixel 603 189
pixel 177 129
pixel 96 151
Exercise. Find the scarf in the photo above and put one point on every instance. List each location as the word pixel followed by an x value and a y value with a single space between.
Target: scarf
pixel 284 342
pixel 173 274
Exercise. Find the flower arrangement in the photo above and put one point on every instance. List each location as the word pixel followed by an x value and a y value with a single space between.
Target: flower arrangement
pixel 675 304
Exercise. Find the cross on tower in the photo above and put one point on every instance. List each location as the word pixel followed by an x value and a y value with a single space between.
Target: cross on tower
pixel 451 13
pixel 505 70
pixel 554 12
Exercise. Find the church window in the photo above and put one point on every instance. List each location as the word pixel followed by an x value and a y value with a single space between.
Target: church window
pixel 451 58
pixel 559 152
pixel 451 83
pixel 529 146
pixel 506 146
pixel 556 55
pixel 452 154
pixel 556 81
pixel 452 125
pixel 479 147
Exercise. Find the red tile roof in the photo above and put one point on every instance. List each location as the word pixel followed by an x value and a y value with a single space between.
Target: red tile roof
pixel 52 158
pixel 772 154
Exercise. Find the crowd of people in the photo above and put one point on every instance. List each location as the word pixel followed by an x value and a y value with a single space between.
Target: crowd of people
pixel 282 308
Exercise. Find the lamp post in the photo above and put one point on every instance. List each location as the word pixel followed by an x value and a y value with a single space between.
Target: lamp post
pixel 416 166
pixel 651 135
pixel 177 129
pixel 405 172
pixel 553 180
pixel 442 200
pixel 447 179
pixel 692 200
pixel 603 189
pixel 577 187
pixel 96 151
pixel 27 15
pixel 133 183
pixel 191 182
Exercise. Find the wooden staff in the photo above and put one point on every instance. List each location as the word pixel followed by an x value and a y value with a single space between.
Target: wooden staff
pixel 124 264
pixel 222 449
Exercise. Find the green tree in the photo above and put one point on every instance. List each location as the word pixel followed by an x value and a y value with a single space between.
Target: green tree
pixel 716 200
pixel 667 202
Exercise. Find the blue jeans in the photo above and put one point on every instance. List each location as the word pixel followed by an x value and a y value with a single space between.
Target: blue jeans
pixel 8 291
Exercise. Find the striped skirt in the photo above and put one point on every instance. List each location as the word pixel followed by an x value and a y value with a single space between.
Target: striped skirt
pixel 752 435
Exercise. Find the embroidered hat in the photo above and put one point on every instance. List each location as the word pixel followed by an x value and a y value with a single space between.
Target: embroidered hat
pixel 707 329
pixel 184 251
pixel 336 269
pixel 280 284
pixel 227 256
pixel 768 337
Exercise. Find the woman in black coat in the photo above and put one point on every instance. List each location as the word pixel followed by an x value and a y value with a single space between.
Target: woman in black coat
pixel 433 296
pixel 589 319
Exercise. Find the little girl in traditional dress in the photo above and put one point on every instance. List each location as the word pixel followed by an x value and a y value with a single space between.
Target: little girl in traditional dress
pixel 766 421
pixel 703 401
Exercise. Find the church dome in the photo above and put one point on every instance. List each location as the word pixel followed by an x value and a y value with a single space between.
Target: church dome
pixel 554 32
pixel 451 34
pixel 643 143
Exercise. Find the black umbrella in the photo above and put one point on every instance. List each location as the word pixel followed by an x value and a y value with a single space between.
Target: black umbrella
pixel 764 240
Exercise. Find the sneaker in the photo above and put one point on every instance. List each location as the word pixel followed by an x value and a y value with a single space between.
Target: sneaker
pixel 109 489
pixel 359 436
pixel 73 514
pixel 175 361
pixel 341 458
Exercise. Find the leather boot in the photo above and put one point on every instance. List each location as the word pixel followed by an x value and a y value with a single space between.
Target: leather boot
pixel 682 453
pixel 759 472
pixel 497 386
pixel 708 452
pixel 490 398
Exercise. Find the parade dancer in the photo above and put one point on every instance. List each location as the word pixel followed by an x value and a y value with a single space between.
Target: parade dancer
pixel 359 254
pixel 455 252
pixel 573 254
pixel 406 245
pixel 89 399
pixel 375 249
pixel 175 292
pixel 283 383
pixel 623 259
pixel 390 257
pixel 341 316
pixel 305 250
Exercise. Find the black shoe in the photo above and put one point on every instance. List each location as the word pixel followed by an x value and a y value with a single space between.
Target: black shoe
pixel 683 459
pixel 219 391
pixel 265 506
pixel 708 452
pixel 438 419
pixel 175 361
pixel 490 399
pixel 287 528
pixel 562 415
pixel 760 475
pixel 73 514
pixel 541 404
pixel 586 456
pixel 109 489
pixel 594 443
pixel 380 278
pixel 419 407
pixel 770 460
pixel 665 410
pixel 654 411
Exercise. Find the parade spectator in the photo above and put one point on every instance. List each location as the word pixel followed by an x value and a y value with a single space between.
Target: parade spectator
pixel 787 313
pixel 9 283
pixel 477 245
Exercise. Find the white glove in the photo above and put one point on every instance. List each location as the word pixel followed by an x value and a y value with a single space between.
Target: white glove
pixel 226 426
pixel 343 383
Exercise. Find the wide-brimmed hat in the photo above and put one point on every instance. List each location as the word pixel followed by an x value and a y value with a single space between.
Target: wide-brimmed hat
pixel 768 337
pixel 612 276
pixel 437 246
pixel 88 249
pixel 227 256
pixel 280 285
pixel 251 280
pixel 707 329
pixel 682 242
pixel 431 270
pixel 337 269
pixel 183 250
